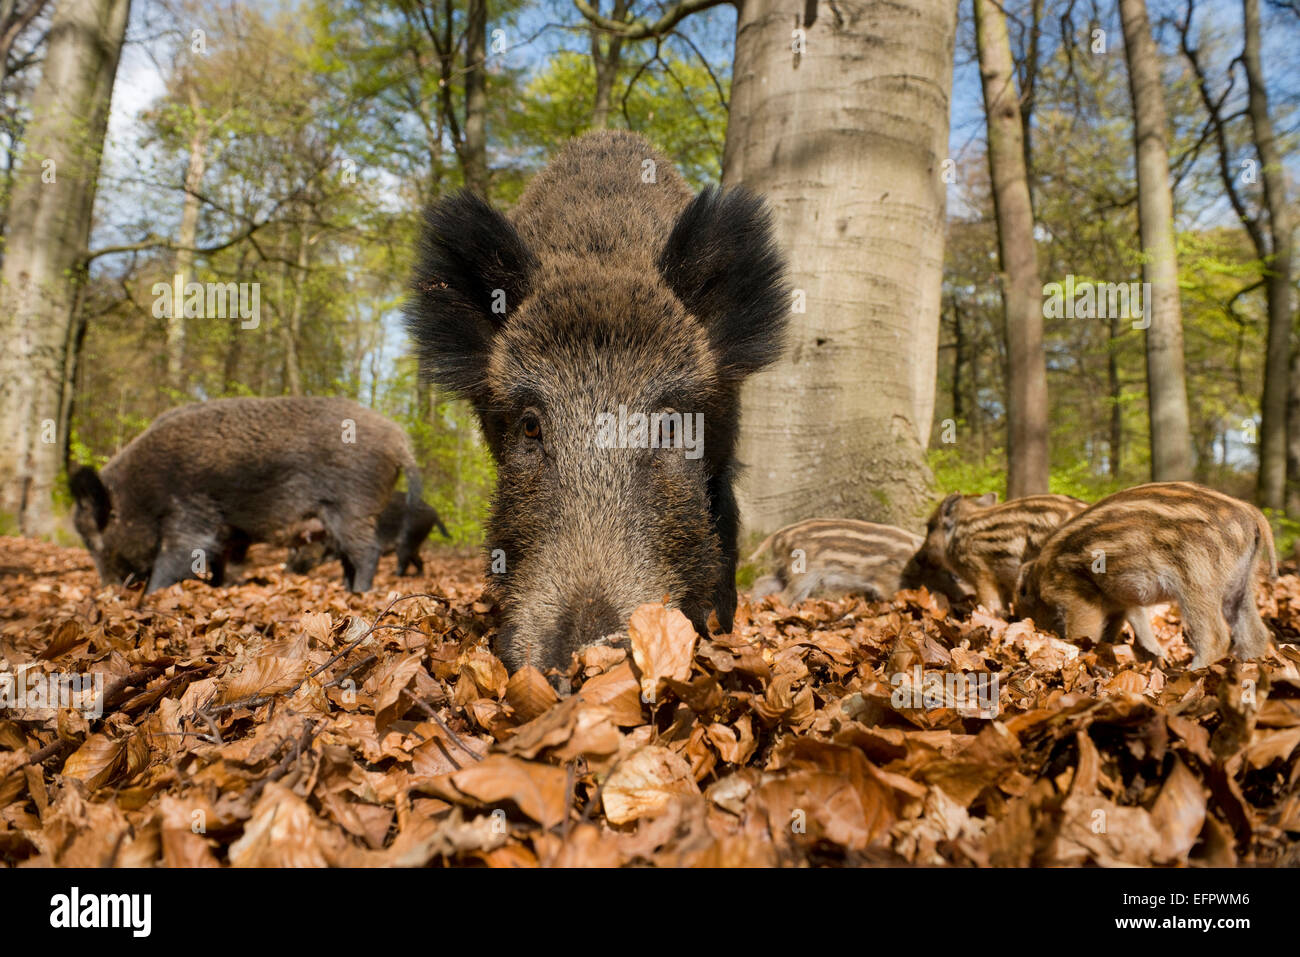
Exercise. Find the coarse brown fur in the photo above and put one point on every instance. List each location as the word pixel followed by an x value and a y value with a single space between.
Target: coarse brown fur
pixel 609 288
pixel 985 543
pixel 1169 541
pixel 206 476
pixel 827 557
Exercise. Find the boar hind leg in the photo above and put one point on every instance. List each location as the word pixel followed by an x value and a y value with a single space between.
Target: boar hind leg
pixel 1249 633
pixel 1206 630
pixel 358 548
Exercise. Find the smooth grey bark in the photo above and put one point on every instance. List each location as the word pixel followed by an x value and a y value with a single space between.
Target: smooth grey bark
pixel 845 136
pixel 1279 456
pixel 1171 438
pixel 1028 465
pixel 48 230
pixel 187 238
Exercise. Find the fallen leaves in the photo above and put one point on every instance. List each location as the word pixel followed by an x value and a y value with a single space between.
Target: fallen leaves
pixel 283 721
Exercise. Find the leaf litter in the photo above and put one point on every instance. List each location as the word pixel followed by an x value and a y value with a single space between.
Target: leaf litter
pixel 285 722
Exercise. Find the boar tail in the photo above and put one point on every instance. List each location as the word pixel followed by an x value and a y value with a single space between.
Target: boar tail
pixel 1264 537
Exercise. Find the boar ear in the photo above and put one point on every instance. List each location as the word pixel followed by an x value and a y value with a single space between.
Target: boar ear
pixel 89 491
pixel 471 270
pixel 948 512
pixel 722 262
pixel 987 499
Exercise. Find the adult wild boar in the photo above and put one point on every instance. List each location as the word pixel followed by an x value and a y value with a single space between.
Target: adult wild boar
pixel 602 333
pixel 204 478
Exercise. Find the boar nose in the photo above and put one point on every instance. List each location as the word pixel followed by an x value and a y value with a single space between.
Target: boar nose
pixel 586 619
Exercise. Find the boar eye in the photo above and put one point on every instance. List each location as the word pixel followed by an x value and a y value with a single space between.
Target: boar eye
pixel 531 425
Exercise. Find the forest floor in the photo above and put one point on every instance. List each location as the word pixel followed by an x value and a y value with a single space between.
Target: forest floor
pixel 283 721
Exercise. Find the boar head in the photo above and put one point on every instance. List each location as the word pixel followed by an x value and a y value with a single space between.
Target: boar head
pixel 123 550
pixel 554 352
pixel 1029 603
pixel 943 521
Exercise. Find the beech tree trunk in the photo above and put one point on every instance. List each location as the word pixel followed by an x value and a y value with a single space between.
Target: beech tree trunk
pixel 843 127
pixel 186 239
pixel 1028 465
pixel 1279 440
pixel 1171 438
pixel 48 229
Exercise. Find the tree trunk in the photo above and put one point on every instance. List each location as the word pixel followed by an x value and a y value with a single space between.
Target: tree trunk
pixel 606 62
pixel 186 239
pixel 958 361
pixel 49 227
pixel 1116 406
pixel 1279 441
pixel 475 151
pixel 845 138
pixel 1171 441
pixel 1028 466
pixel 293 328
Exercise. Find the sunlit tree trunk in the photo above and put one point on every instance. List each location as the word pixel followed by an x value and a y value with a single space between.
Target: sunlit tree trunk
pixel 1279 454
pixel 186 238
pixel 49 226
pixel 1028 465
pixel 839 117
pixel 1171 442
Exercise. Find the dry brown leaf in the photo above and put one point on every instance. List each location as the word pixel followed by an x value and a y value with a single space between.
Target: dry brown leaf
pixel 663 646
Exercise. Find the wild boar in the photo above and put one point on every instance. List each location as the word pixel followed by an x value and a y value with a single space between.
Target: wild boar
pixel 985 543
pixel 597 332
pixel 205 477
pixel 402 528
pixel 1167 541
pixel 837 556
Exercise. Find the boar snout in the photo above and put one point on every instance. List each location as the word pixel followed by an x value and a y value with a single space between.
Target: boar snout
pixel 582 621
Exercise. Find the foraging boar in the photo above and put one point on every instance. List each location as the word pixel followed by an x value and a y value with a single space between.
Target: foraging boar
pixel 1168 541
pixel 836 556
pixel 985 543
pixel 402 528
pixel 204 478
pixel 597 332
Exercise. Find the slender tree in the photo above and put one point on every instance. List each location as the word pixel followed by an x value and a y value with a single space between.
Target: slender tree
pixel 1171 443
pixel 606 58
pixel 1277 256
pixel 1028 465
pixel 475 159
